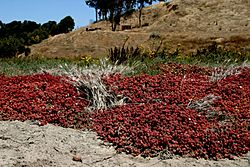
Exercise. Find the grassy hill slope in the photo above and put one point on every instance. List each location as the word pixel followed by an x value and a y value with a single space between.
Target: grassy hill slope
pixel 190 24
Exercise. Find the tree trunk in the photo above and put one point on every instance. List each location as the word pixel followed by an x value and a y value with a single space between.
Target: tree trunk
pixel 113 25
pixel 96 15
pixel 140 13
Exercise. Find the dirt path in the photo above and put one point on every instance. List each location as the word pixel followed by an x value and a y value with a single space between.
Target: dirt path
pixel 26 144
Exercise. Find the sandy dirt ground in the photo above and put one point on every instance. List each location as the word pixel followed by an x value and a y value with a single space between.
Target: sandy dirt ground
pixel 25 144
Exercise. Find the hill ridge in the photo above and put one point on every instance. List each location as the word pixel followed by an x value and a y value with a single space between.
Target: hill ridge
pixel 187 23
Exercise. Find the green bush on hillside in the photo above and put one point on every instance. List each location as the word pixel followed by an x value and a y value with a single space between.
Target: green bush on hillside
pixel 214 54
pixel 10 47
pixel 16 35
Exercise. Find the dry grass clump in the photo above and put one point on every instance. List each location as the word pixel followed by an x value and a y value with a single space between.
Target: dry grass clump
pixel 88 81
pixel 227 70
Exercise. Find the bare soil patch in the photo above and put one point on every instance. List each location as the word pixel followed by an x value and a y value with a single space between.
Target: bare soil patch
pixel 30 145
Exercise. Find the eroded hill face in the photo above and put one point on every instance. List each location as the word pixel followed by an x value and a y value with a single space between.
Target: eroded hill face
pixel 213 16
pixel 188 23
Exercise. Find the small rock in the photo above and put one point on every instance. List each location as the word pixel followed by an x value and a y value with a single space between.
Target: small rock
pixel 77 158
pixel 220 40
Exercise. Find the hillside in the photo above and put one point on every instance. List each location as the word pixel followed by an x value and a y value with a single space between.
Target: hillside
pixel 190 24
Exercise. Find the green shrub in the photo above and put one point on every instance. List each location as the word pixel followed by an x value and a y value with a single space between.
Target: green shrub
pixel 10 47
pixel 215 54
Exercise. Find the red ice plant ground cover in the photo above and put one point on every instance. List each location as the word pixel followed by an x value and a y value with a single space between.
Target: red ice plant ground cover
pixel 166 111
pixel 41 97
pixel 180 110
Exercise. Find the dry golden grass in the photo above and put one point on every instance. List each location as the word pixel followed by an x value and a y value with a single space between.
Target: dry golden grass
pixel 190 24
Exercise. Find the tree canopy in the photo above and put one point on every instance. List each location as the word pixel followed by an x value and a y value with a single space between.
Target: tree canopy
pixel 112 10
pixel 66 25
pixel 16 36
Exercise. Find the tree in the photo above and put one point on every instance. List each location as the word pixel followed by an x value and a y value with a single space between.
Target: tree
pixel 13 28
pixel 93 4
pixel 37 36
pixel 129 5
pixel 10 47
pixel 114 9
pixel 2 29
pixel 29 26
pixel 141 5
pixel 51 27
pixel 66 25
pixel 16 35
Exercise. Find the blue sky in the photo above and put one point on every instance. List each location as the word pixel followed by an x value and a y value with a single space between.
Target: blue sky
pixel 42 11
